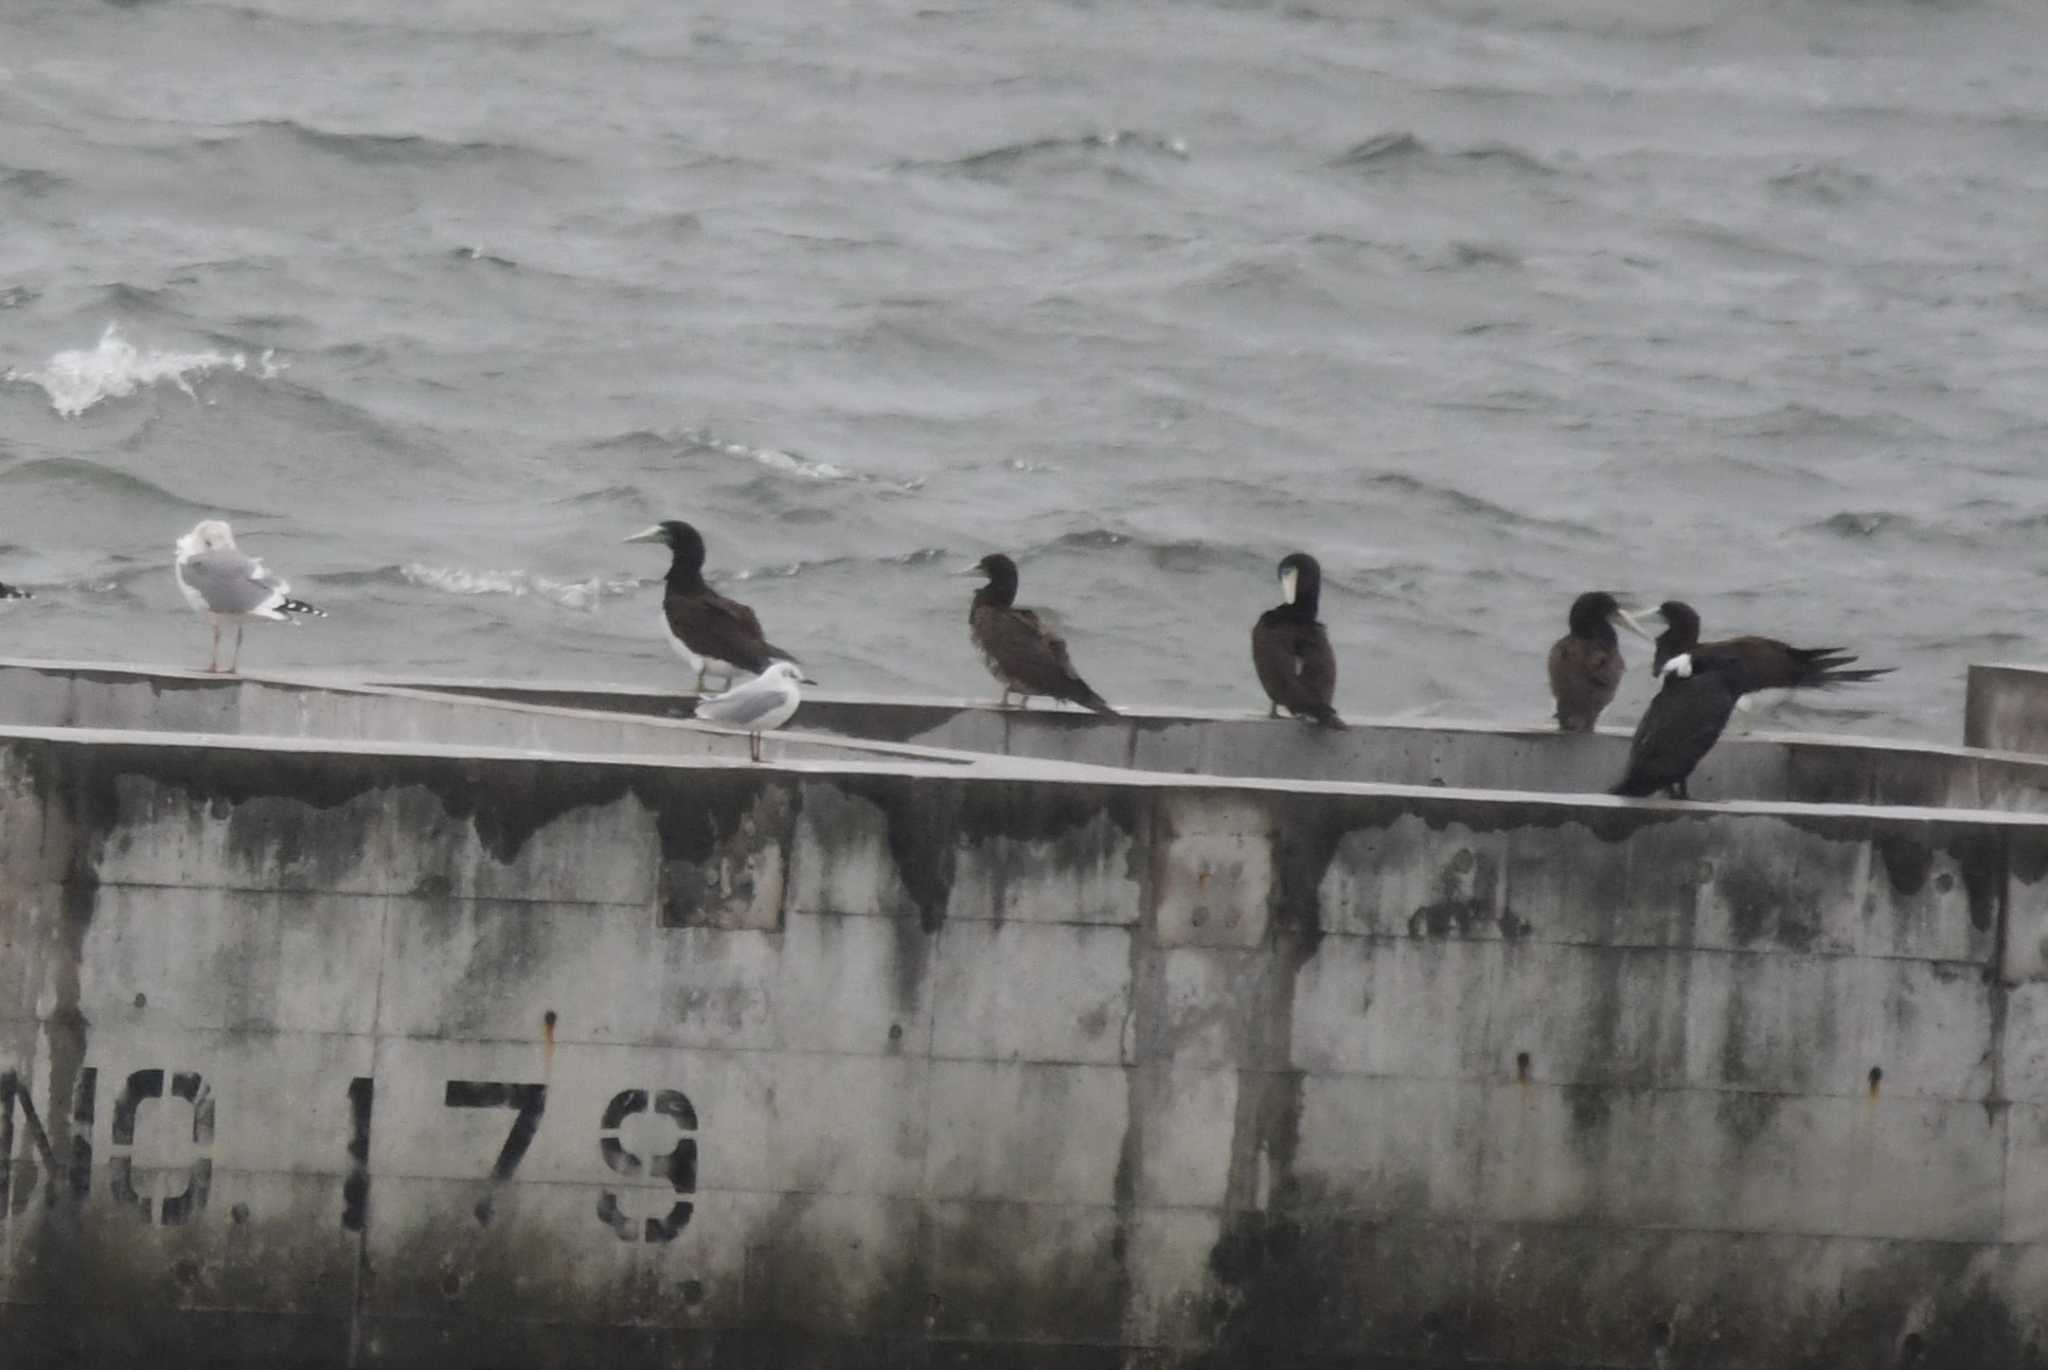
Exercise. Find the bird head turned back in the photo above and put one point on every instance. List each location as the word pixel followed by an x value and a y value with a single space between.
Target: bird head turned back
pixel 1301 582
pixel 1001 589
pixel 210 535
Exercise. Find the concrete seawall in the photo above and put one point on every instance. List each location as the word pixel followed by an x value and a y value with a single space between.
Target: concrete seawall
pixel 1808 769
pixel 327 1051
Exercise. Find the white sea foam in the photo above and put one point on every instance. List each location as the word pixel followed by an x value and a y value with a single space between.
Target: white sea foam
pixel 570 594
pixel 77 380
pixel 774 458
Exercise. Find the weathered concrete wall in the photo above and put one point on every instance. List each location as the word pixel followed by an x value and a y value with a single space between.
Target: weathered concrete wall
pixel 1797 768
pixel 336 1054
pixel 42 694
pixel 2007 708
pixel 1801 769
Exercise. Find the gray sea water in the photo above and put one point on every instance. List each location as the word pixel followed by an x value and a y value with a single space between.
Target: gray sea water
pixel 1485 304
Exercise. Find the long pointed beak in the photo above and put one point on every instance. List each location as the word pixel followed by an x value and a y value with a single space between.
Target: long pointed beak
pixel 805 680
pixel 968 571
pixel 651 535
pixel 1628 621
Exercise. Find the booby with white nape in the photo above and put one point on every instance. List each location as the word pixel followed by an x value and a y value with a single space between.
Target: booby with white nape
pixel 1585 664
pixel 1756 663
pixel 707 630
pixel 220 582
pixel 1291 650
pixel 1024 655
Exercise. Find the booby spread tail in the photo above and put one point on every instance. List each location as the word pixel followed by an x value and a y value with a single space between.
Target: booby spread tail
pixel 1022 653
pixel 1758 663
pixel 1290 649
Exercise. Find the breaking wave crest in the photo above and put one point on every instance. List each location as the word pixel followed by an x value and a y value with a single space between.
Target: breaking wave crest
pixel 921 556
pixel 78 379
pixel 570 594
pixel 996 161
pixel 774 458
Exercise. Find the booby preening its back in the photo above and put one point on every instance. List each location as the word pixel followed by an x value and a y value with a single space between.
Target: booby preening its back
pixel 1291 650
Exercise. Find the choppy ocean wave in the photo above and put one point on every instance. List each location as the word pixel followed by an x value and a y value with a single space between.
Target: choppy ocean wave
pixel 1399 147
pixel 1482 304
pixel 77 379
pixel 92 483
pixel 772 458
pixel 998 162
pixel 462 580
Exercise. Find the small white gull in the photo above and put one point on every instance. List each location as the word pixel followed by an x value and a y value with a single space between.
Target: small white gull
pixel 219 581
pixel 761 705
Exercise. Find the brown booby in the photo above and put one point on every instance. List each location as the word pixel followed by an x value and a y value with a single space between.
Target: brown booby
pixel 1024 655
pixel 708 631
pixel 1290 649
pixel 1756 663
pixel 1585 664
pixel 1681 725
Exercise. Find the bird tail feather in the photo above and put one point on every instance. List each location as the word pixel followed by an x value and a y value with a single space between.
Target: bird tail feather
pixel 1088 699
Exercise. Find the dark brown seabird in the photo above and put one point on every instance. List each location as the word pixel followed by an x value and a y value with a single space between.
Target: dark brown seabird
pixel 1586 664
pixel 1025 656
pixel 1291 651
pixel 1756 663
pixel 10 592
pixel 1681 725
pixel 708 631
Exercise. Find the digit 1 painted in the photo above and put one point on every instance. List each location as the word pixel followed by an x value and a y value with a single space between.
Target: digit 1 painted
pixel 355 1189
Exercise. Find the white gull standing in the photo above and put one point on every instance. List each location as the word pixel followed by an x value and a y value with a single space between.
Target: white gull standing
pixel 219 581
pixel 761 705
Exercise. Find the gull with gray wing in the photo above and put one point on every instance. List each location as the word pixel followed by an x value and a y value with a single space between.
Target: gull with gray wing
pixel 219 581
pixel 760 705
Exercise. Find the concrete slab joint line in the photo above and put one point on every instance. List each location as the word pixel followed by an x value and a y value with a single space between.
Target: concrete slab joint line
pixel 600 1047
